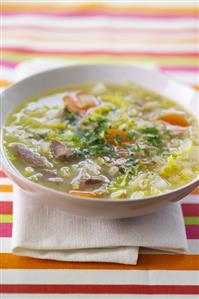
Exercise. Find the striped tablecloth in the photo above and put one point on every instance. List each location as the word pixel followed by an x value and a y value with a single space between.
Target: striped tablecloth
pixel 162 35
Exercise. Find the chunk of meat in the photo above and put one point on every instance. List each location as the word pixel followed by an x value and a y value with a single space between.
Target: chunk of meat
pixel 93 182
pixel 80 102
pixel 175 119
pixel 122 153
pixel 48 173
pixel 31 158
pixel 60 152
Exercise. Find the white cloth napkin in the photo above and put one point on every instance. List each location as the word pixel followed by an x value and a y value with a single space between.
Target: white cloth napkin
pixel 43 232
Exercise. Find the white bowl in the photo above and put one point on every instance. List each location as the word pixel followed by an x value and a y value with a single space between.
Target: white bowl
pixel 60 77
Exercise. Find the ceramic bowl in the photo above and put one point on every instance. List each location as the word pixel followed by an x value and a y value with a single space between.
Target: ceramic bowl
pixel 101 208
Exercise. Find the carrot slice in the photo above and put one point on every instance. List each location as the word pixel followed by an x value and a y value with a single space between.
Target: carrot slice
pixel 80 102
pixel 117 136
pixel 82 193
pixel 175 119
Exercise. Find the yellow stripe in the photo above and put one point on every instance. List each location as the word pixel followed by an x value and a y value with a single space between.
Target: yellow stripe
pixel 4 83
pixel 5 218
pixel 17 57
pixel 60 8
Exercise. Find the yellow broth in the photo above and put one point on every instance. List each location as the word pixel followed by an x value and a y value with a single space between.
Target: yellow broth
pixel 104 140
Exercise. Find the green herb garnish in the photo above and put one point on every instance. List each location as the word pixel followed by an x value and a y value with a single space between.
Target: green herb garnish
pixel 69 116
pixel 118 138
pixel 150 130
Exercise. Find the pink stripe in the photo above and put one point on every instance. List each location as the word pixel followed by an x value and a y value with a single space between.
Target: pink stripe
pixel 190 209
pixel 6 207
pixel 6 63
pixel 101 29
pixel 98 289
pixel 99 13
pixel 2 174
pixel 192 231
pixel 6 230
pixel 100 52
pixel 172 68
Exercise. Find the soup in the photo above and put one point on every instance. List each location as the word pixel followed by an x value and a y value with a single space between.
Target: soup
pixel 104 140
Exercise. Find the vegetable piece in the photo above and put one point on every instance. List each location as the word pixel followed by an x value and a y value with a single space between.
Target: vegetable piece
pixel 113 170
pixel 117 136
pixel 175 119
pixel 150 130
pixel 153 136
pixel 118 194
pixel 119 183
pixel 31 158
pixel 171 167
pixel 137 195
pixel 82 193
pixel 56 180
pixel 79 102
pixel 98 88
pixel 60 152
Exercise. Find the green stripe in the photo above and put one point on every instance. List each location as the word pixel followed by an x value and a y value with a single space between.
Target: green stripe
pixel 191 220
pixel 6 218
pixel 187 220
pixel 99 58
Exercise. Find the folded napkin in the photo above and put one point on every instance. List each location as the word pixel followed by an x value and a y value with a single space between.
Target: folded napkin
pixel 44 232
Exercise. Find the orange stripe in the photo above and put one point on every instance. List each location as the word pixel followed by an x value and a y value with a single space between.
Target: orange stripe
pixel 19 7
pixel 4 83
pixel 6 188
pixel 196 191
pixel 145 262
pixel 196 87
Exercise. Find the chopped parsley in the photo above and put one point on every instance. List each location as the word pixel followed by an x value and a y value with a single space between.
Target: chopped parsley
pixel 69 116
pixel 153 136
pixel 118 138
pixel 150 130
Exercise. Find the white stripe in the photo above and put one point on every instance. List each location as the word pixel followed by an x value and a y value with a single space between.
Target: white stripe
pixel 5 181
pixel 151 277
pixel 193 249
pixel 93 296
pixel 6 196
pixel 193 246
pixel 192 198
pixel 5 244
pixel 103 33
pixel 185 77
pixel 7 73
pixel 75 22
pixel 101 45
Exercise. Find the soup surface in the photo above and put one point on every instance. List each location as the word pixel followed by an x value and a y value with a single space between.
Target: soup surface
pixel 103 140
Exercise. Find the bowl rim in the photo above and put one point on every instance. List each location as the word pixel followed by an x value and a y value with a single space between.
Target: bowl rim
pixel 6 163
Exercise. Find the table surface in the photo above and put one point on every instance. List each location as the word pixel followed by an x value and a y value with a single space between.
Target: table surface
pixel 164 36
